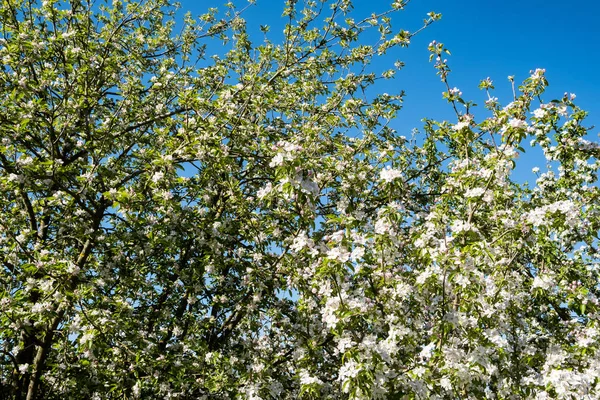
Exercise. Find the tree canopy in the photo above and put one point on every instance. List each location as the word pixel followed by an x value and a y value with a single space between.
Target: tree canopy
pixel 182 223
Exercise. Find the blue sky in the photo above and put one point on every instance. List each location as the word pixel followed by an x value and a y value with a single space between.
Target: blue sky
pixel 487 38
pixel 509 37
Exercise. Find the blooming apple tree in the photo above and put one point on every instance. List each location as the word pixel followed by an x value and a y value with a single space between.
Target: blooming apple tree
pixel 248 225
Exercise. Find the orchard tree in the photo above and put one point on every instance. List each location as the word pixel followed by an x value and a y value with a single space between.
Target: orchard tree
pixel 178 224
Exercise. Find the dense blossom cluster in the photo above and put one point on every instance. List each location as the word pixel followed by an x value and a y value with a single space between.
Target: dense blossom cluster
pixel 249 226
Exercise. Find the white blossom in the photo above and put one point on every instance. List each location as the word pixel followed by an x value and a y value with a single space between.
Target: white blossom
pixel 389 174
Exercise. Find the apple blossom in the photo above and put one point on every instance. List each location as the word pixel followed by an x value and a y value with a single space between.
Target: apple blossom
pixel 249 225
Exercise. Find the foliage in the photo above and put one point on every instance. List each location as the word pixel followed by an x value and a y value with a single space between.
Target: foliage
pixel 248 225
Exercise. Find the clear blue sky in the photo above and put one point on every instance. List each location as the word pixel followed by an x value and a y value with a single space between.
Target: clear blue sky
pixel 509 37
pixel 494 38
